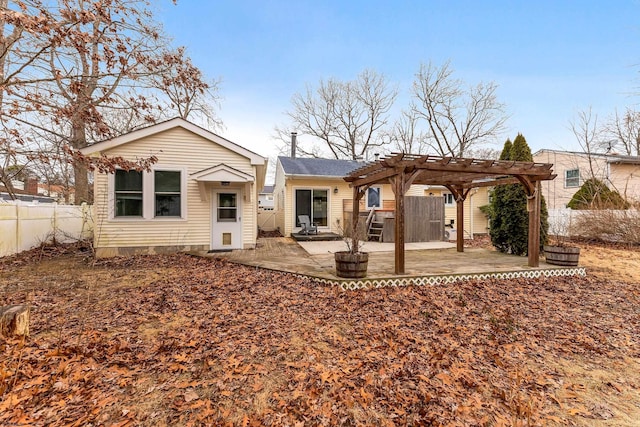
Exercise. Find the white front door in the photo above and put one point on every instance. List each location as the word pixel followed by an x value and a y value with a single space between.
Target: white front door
pixel 226 226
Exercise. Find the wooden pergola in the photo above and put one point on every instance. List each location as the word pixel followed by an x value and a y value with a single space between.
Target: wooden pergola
pixel 458 175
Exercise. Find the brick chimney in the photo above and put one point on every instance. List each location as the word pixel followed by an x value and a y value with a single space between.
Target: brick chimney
pixel 31 186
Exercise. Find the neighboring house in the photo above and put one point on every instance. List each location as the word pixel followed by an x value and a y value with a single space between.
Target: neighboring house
pixel 265 197
pixel 202 194
pixel 315 187
pixel 620 173
pixel 26 191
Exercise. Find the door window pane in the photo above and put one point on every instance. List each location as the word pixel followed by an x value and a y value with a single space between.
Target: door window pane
pixel 303 205
pixel 128 193
pixel 227 207
pixel 320 199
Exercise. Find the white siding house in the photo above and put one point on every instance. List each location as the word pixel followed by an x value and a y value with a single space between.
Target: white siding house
pixel 201 194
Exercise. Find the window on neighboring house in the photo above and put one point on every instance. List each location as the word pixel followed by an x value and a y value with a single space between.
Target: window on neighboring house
pixel 448 199
pixel 128 193
pixel 374 197
pixel 167 193
pixel 572 178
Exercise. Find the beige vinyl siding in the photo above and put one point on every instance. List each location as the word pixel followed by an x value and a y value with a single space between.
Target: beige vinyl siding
pixel 625 178
pixel 473 217
pixel 334 200
pixel 180 148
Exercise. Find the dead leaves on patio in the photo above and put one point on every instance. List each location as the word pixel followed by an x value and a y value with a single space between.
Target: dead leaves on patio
pixel 186 341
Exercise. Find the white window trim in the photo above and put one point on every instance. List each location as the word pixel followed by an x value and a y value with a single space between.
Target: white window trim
pixel 445 196
pixel 148 196
pixel 566 178
pixel 293 207
pixel 366 197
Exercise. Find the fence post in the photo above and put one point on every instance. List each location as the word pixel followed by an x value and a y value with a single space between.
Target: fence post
pixel 17 226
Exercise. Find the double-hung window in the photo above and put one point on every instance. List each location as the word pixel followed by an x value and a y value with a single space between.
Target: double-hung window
pixel 128 193
pixel 572 178
pixel 374 198
pixel 448 199
pixel 167 193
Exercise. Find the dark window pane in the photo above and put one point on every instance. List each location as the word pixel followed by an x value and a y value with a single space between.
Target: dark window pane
pixel 129 204
pixel 167 181
pixel 320 214
pixel 168 205
pixel 373 197
pixel 128 180
pixel 303 204
pixel 227 200
pixel 227 214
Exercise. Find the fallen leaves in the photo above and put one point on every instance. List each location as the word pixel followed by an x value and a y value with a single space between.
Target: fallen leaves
pixel 154 340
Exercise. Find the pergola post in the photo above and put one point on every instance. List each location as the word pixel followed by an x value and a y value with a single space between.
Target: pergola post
pixel 533 206
pixel 399 222
pixel 355 214
pixel 460 224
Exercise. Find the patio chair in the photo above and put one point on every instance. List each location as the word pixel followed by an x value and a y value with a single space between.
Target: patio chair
pixel 307 225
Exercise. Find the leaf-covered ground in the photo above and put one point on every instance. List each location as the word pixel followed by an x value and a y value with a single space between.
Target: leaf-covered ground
pixel 178 340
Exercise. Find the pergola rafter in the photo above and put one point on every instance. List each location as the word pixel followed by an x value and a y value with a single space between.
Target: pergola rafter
pixel 459 175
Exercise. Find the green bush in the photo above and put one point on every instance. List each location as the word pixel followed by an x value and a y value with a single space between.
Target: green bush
pixel 508 207
pixel 594 194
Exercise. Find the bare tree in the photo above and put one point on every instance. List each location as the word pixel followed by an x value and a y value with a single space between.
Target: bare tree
pixel 589 136
pixel 623 132
pixel 188 93
pixel 457 118
pixel 82 64
pixel 345 119
pixel 405 136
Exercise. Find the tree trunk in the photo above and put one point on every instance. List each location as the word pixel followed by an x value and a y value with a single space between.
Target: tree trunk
pixel 80 173
pixel 14 320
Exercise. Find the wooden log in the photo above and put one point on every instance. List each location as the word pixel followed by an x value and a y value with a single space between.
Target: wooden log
pixel 14 320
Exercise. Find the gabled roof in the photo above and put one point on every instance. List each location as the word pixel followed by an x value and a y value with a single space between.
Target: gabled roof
pixel 311 167
pixel 221 172
pixel 108 144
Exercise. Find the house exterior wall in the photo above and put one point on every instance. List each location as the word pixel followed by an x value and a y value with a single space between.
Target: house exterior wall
pixel 475 222
pixel 625 178
pixel 175 148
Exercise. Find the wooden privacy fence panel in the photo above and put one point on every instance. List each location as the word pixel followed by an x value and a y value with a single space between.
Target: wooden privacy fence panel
pixel 424 220
pixel 25 226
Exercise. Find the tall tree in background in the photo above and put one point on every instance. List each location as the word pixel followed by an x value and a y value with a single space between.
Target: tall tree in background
pixel 405 135
pixel 347 119
pixel 457 118
pixel 508 208
pixel 623 132
pixel 93 65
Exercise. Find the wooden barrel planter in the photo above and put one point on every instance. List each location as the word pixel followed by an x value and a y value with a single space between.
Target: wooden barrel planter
pixel 351 266
pixel 562 255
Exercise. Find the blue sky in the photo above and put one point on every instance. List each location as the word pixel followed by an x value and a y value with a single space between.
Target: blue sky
pixel 550 59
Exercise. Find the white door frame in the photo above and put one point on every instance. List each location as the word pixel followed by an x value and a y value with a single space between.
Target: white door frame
pixel 226 235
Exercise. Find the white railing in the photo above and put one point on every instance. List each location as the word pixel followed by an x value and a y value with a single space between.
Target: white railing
pixel 26 225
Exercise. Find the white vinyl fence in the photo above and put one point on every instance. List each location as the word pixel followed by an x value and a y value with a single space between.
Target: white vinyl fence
pixel 25 225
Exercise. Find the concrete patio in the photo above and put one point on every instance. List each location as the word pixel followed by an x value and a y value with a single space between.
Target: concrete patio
pixel 426 263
